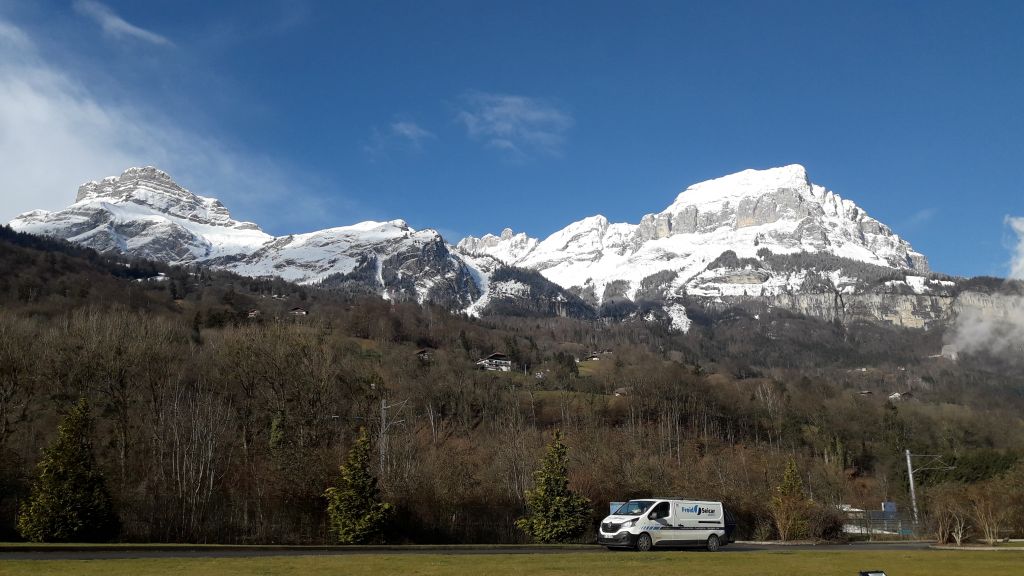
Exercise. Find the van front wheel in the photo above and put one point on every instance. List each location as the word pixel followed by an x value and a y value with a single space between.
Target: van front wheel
pixel 713 543
pixel 644 543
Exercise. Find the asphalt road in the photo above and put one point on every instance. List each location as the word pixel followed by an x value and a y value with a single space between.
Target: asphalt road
pixel 120 552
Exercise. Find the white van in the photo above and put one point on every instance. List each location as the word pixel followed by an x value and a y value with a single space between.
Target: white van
pixel 666 523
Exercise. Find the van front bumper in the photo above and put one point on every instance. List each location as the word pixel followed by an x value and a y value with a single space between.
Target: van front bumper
pixel 624 539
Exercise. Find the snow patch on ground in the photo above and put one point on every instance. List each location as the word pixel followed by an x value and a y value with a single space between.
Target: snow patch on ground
pixel 510 289
pixel 917 283
pixel 678 318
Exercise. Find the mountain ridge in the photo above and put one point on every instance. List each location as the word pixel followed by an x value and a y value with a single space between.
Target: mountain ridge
pixel 777 209
pixel 714 241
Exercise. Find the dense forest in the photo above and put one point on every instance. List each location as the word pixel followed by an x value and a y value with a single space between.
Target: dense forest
pixel 224 405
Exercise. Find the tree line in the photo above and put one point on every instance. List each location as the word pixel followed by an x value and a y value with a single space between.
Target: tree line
pixel 213 426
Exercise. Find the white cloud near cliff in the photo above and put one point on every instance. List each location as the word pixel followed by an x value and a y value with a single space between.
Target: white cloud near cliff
pixel 1017 262
pixel 996 331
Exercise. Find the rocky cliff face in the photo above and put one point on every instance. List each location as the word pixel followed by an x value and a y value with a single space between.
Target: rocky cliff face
pixel 145 214
pixel 764 236
pixel 778 210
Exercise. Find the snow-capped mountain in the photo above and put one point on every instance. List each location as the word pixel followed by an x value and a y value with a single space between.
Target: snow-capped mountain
pixel 145 214
pixel 765 235
pixel 751 213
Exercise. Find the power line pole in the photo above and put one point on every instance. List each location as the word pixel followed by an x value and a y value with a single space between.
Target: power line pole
pixel 913 494
pixel 934 463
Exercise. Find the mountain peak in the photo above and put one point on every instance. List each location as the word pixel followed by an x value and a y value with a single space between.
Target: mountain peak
pixel 114 186
pixel 153 189
pixel 507 248
pixel 744 184
pixel 144 212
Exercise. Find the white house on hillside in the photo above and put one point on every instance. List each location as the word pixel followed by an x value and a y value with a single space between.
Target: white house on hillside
pixel 496 361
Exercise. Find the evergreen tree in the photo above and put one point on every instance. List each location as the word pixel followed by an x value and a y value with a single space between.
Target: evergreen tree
pixel 355 512
pixel 554 512
pixel 69 501
pixel 790 508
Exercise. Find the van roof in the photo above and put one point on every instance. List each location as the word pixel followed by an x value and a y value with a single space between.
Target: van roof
pixel 672 498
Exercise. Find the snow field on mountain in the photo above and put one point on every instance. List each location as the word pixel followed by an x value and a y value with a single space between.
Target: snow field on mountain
pixel 144 213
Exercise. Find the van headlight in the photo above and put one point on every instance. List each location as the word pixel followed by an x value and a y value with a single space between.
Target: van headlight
pixel 630 523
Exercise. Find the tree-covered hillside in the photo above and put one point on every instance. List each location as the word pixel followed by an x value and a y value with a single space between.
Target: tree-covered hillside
pixel 222 413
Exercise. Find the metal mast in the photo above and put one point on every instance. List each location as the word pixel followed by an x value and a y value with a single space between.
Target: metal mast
pixel 913 494
pixel 934 463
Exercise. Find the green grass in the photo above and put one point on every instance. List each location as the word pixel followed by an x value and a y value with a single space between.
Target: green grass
pixel 595 367
pixel 788 563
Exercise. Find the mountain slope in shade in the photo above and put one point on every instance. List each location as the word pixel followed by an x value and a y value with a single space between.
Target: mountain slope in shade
pixel 777 210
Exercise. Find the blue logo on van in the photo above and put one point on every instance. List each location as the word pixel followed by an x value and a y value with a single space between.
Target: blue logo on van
pixel 698 510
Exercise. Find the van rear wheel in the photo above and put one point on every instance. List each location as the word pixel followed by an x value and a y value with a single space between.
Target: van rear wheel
pixel 713 543
pixel 644 543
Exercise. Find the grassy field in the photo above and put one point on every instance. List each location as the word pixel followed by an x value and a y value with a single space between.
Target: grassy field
pixel 788 563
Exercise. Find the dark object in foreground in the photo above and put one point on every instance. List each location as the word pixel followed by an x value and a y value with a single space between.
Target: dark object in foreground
pixel 872 573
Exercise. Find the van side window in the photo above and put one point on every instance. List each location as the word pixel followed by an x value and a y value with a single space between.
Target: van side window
pixel 659 511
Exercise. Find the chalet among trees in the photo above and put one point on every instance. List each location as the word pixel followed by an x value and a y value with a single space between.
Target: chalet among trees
pixel 496 362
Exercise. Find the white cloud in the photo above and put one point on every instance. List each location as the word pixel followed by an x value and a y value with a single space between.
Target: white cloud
pixel 12 37
pixel 1017 263
pixel 115 26
pixel 411 132
pixel 922 216
pixel 399 135
pixel 997 330
pixel 519 125
pixel 55 134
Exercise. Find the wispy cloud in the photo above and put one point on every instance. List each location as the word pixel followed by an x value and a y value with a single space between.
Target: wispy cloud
pixel 519 125
pixel 56 133
pixel 1017 262
pixel 411 132
pixel 921 217
pixel 401 134
pixel 115 26
pixel 11 37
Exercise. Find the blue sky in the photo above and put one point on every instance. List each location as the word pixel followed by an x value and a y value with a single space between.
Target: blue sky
pixel 469 116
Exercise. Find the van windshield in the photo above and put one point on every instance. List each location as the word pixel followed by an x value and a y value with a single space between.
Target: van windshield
pixel 634 507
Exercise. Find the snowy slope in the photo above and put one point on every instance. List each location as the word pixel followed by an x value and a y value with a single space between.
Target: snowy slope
pixel 722 238
pixel 144 213
pixel 778 209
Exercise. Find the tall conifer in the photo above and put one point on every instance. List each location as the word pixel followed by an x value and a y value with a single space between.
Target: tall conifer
pixel 554 512
pixel 354 509
pixel 69 501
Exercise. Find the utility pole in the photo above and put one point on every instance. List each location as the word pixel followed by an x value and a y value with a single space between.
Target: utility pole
pixel 935 463
pixel 913 494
